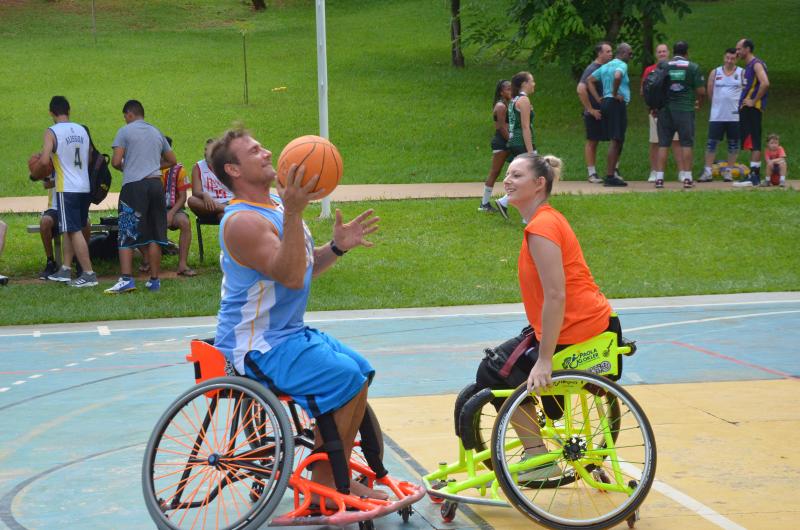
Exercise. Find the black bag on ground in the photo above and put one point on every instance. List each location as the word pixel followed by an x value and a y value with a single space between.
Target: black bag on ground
pixel 655 86
pixel 99 172
pixel 103 246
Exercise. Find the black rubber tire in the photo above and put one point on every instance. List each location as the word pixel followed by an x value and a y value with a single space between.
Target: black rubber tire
pixel 231 393
pixel 598 386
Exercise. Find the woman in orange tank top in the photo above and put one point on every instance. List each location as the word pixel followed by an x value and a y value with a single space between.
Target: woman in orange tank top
pixel 563 304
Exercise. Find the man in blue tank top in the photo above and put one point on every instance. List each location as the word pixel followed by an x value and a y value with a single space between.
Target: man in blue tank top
pixel 268 259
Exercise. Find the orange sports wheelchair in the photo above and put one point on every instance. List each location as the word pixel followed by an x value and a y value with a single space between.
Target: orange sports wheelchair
pixel 222 456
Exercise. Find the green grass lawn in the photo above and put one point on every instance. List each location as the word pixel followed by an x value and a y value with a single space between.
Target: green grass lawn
pixel 398 111
pixel 442 252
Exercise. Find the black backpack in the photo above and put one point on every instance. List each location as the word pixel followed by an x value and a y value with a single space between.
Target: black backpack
pixel 655 86
pixel 99 173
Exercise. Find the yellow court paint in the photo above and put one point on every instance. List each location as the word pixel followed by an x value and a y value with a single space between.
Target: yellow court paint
pixel 726 452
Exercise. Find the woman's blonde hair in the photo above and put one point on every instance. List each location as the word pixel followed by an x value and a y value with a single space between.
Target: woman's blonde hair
pixel 547 166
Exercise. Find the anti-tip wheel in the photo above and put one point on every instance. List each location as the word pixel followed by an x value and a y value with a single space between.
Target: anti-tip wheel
pixel 448 511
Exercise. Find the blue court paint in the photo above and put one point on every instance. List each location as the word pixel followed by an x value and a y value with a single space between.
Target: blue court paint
pixel 74 429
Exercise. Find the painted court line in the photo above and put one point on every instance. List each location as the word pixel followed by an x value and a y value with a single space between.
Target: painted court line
pixel 684 500
pixel 711 319
pixel 103 330
pixel 733 359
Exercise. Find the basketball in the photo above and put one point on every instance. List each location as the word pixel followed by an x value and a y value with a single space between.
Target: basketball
pixel 36 171
pixel 318 155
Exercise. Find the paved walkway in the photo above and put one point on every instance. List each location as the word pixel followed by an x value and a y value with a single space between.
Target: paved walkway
pixel 360 192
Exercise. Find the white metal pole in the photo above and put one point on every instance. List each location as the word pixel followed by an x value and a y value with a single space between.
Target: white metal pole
pixel 322 85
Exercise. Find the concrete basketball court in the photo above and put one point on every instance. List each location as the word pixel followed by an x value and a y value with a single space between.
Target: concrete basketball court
pixel 716 375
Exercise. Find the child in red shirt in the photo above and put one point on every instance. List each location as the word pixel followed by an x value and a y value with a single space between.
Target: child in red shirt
pixel 776 161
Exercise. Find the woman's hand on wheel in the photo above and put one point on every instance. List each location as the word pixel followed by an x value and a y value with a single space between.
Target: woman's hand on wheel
pixel 540 377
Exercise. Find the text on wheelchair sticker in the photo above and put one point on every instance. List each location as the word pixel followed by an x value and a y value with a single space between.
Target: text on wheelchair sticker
pixel 601 368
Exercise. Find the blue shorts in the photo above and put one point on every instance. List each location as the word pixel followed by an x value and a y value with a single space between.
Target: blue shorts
pixel 73 210
pixel 320 373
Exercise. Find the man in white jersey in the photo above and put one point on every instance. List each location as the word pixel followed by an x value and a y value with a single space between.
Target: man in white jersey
pixel 209 195
pixel 67 144
pixel 268 259
pixel 724 88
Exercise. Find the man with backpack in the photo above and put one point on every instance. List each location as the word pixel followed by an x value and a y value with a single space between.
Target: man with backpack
pixel 68 145
pixel 684 94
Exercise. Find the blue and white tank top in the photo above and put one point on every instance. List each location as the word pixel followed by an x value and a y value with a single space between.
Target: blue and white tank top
pixel 257 313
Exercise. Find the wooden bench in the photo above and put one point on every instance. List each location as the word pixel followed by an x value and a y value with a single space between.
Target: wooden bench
pixel 96 228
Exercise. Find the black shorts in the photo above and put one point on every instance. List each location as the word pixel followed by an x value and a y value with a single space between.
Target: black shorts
pixel 498 142
pixel 53 214
pixel 615 115
pixel 488 374
pixel 750 128
pixel 595 129
pixel 672 121
pixel 142 214
pixel 718 129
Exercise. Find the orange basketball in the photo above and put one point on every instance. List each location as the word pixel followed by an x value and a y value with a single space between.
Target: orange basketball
pixel 318 155
pixel 39 172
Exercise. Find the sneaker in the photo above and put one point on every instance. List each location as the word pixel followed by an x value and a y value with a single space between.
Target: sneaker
pixel 726 175
pixel 659 183
pixel 782 183
pixel 688 184
pixel 153 285
pixel 123 285
pixel 705 177
pixel 744 183
pixel 86 279
pixel 64 274
pixel 50 268
pixel 651 178
pixel 539 473
pixel 486 207
pixel 502 209
pixel 613 181
pixel 765 183
pixel 3 280
pixel 617 173
pixel 594 179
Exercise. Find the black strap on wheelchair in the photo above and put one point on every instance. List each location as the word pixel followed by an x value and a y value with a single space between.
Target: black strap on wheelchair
pixel 332 444
pixel 371 446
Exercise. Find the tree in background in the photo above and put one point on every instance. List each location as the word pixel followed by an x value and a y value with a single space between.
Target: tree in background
pixel 564 31
pixel 259 5
pixel 457 56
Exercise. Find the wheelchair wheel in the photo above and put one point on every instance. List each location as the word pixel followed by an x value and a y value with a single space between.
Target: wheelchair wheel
pixel 476 420
pixel 219 457
pixel 595 430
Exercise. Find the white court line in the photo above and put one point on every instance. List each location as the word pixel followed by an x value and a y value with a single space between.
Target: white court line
pixel 55 369
pixel 71 364
pixel 18 383
pixel 684 500
pixel 103 330
pixel 37 334
pixel 5 389
pixel 89 359
pixel 427 316
pixel 109 353
pixel 712 319
pixel 35 376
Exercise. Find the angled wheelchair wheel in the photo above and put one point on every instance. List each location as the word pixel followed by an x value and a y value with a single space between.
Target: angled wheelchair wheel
pixel 220 457
pixel 599 455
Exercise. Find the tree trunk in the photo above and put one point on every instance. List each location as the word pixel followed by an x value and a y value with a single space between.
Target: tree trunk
pixel 614 25
pixel 455 33
pixel 259 5
pixel 648 57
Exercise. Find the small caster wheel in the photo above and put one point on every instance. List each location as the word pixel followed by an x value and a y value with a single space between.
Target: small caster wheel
pixel 256 491
pixel 439 484
pixel 366 525
pixel 601 476
pixel 632 518
pixel 406 512
pixel 448 511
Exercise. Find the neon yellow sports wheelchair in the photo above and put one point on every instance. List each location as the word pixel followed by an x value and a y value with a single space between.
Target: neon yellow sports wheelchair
pixel 580 455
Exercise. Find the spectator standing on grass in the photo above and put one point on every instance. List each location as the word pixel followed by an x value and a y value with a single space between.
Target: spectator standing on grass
pixel 67 145
pixel 662 54
pixel 614 107
pixel 686 88
pixel 175 183
pixel 520 124
pixel 140 152
pixel 592 117
pixel 209 195
pixel 724 87
pixel 752 103
pixel 776 161
pixel 499 143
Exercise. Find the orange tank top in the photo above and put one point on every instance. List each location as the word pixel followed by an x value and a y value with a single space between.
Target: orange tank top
pixel 586 310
